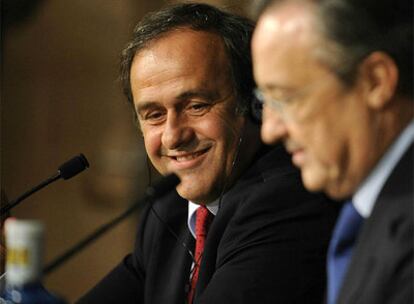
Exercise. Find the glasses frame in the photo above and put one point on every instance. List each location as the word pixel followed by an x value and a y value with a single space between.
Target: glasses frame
pixel 285 105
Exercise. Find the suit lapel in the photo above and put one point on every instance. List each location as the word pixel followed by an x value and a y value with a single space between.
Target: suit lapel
pixel 230 204
pixel 171 267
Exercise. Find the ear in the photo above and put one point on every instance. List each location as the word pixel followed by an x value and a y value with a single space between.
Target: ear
pixel 379 73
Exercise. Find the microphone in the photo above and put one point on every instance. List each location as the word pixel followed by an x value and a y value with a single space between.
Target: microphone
pixel 153 192
pixel 67 170
pixel 73 166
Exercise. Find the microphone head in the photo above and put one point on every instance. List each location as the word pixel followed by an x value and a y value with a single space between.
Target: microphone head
pixel 166 184
pixel 73 166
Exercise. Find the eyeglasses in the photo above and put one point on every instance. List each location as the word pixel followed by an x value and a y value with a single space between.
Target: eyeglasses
pixel 287 106
pixel 282 106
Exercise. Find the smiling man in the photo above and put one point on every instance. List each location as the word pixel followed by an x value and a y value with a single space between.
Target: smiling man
pixel 188 112
pixel 240 227
pixel 336 78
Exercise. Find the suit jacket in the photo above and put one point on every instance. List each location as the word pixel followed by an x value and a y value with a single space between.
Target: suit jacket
pixel 267 244
pixel 381 269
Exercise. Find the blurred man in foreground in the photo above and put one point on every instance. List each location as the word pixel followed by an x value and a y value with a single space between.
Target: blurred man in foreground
pixel 336 78
pixel 187 72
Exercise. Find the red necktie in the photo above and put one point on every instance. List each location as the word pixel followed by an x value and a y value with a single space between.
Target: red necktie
pixel 203 220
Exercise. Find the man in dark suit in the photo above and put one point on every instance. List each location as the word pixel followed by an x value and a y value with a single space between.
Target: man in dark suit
pixel 187 73
pixel 336 78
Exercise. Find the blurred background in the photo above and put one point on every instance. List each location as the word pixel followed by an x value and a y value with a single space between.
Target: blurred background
pixel 59 97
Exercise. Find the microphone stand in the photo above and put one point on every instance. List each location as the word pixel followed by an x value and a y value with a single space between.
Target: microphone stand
pixel 153 192
pixel 67 170
pixel 89 239
pixel 15 202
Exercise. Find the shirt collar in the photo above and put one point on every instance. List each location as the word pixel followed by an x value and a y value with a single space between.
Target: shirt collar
pixel 365 197
pixel 192 208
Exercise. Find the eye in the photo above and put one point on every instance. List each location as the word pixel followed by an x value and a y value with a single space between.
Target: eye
pixel 198 108
pixel 153 117
pixel 286 98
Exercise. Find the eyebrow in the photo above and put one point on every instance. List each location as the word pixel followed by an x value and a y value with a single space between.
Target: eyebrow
pixel 208 95
pixel 272 87
pixel 142 107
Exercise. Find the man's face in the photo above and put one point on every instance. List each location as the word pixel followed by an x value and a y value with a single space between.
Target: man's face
pixel 186 106
pixel 325 125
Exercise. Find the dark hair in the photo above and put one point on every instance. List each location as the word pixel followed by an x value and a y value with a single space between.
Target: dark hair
pixel 236 32
pixel 359 27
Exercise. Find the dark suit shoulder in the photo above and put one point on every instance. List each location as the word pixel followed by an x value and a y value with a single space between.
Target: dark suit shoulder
pixel 273 186
pixel 269 224
pixel 381 270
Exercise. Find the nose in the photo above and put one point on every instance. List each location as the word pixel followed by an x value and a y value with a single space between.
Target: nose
pixel 273 126
pixel 176 133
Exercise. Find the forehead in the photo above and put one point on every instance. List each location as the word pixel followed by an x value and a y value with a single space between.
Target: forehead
pixel 286 39
pixel 184 54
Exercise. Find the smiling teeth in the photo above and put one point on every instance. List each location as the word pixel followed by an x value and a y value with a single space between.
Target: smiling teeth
pixel 188 157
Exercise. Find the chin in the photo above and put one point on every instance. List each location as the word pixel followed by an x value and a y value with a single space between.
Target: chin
pixel 190 192
pixel 331 187
pixel 313 182
pixel 195 193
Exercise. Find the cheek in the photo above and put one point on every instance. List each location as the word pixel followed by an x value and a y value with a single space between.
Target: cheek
pixel 326 145
pixel 152 141
pixel 314 136
pixel 222 128
pixel 233 133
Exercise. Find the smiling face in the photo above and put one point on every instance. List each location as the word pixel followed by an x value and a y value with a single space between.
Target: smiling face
pixel 331 130
pixel 186 107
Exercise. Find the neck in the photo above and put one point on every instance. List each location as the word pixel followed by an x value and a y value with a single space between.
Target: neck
pixel 393 121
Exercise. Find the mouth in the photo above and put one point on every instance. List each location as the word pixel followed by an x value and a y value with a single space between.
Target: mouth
pixel 188 159
pixel 298 153
pixel 188 156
